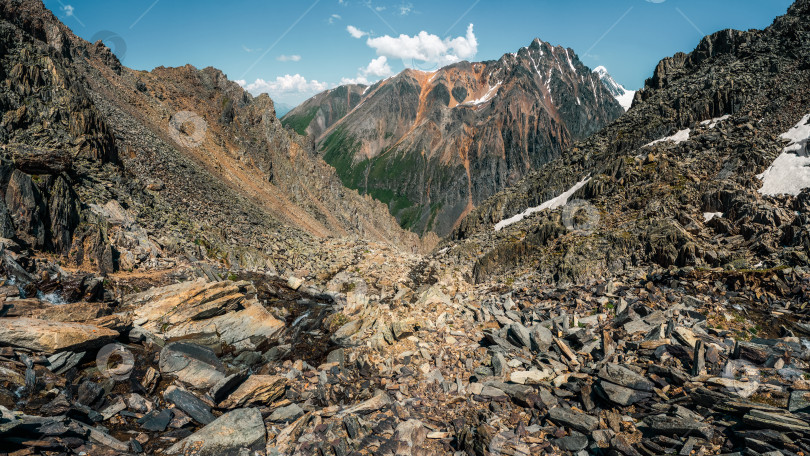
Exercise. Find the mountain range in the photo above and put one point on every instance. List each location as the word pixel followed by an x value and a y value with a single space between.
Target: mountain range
pixel 433 146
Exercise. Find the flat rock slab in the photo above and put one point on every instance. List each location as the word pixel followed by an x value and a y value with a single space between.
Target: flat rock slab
pixel 52 336
pixel 198 307
pixel 574 420
pixel 623 376
pixel 372 405
pixel 189 403
pixel 622 395
pixel 262 389
pixel 286 414
pixel 192 364
pixel 235 433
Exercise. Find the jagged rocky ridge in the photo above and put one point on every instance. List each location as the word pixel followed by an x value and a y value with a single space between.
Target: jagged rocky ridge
pixel 433 145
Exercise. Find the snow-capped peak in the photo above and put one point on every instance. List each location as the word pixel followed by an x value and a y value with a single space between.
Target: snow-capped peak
pixel 622 95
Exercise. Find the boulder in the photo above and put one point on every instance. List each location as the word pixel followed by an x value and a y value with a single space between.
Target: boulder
pixel 262 389
pixel 52 336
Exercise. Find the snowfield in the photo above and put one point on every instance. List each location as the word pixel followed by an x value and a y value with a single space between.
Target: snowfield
pixel 626 100
pixel 790 172
pixel 713 122
pixel 709 216
pixel 677 138
pixel 553 203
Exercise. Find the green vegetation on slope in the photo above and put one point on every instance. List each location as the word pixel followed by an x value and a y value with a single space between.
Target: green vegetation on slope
pixel 377 177
pixel 300 122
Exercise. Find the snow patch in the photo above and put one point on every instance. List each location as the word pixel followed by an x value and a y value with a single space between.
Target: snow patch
pixel 711 123
pixel 790 172
pixel 487 96
pixel 677 138
pixel 626 100
pixel 553 203
pixel 570 64
pixel 708 216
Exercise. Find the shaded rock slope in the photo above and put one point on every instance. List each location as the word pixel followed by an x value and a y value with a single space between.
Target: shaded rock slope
pixel 434 145
pixel 114 168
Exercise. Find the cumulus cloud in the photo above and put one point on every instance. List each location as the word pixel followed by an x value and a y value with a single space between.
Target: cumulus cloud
pixel 284 85
pixel 68 10
pixel 289 58
pixel 376 69
pixel 426 47
pixel 356 32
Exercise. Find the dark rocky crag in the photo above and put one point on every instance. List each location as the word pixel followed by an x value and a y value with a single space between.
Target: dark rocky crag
pixel 650 200
pixel 435 145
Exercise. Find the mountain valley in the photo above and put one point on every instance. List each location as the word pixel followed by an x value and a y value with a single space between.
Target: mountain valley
pixel 508 257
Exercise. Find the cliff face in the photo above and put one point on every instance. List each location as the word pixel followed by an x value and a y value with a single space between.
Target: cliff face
pixel 434 145
pixel 192 163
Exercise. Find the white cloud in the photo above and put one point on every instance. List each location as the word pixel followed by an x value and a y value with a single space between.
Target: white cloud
pixel 68 10
pixel 287 84
pixel 358 80
pixel 334 18
pixel 289 58
pixel 247 49
pixel 356 32
pixel 377 68
pixel 426 47
pixel 405 9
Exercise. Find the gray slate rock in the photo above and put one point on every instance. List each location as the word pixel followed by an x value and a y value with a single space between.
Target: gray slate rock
pixel 236 433
pixel 623 376
pixel 194 407
pixel 286 414
pixel 192 364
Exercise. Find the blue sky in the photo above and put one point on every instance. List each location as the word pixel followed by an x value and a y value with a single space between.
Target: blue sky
pixel 293 50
